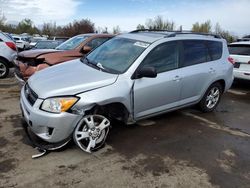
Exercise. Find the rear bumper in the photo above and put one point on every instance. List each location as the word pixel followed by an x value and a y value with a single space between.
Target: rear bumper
pixel 241 74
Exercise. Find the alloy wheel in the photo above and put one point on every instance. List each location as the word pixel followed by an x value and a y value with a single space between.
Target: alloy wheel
pixel 91 132
pixel 3 69
pixel 212 97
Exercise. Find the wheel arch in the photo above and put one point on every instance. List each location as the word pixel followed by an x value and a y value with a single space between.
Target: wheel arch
pixel 222 83
pixel 7 61
pixel 115 110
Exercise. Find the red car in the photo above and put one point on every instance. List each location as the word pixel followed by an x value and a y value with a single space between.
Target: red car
pixel 30 61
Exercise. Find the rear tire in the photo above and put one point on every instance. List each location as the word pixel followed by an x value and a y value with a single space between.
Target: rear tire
pixel 4 68
pixel 211 98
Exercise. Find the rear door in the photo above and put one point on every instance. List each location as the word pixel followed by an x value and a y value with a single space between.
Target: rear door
pixel 198 67
pixel 154 95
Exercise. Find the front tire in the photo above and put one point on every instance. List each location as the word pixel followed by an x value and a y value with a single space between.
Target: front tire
pixel 4 69
pixel 91 132
pixel 211 98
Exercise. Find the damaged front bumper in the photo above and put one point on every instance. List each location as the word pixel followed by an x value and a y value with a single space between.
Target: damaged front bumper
pixel 50 127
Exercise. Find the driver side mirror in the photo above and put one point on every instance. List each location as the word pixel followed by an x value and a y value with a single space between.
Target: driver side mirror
pixel 147 72
pixel 85 49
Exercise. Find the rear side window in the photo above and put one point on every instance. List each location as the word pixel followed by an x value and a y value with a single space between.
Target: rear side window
pixel 239 49
pixel 194 52
pixel 164 57
pixel 215 49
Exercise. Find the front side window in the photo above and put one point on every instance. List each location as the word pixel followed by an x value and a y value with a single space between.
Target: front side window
pixel 194 52
pixel 72 43
pixel 117 54
pixel 239 49
pixel 163 58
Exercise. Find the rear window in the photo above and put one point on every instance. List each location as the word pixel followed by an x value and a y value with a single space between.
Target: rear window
pixel 239 49
pixel 215 49
pixel 3 37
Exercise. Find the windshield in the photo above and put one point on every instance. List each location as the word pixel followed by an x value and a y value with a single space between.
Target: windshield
pixel 47 44
pixel 72 43
pixel 239 49
pixel 117 54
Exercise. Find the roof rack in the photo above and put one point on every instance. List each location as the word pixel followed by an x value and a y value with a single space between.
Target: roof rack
pixel 149 30
pixel 174 33
pixel 192 33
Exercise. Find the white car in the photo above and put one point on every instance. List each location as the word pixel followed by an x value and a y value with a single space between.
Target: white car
pixel 21 42
pixel 8 53
pixel 34 41
pixel 240 52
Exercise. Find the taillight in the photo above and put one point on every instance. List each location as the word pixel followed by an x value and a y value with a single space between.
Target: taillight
pixel 231 60
pixel 248 62
pixel 11 45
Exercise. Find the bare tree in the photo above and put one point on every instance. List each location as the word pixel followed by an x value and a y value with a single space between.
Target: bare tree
pixel 205 27
pixel 139 26
pixel 49 29
pixel 160 24
pixel 224 34
pixel 2 20
pixel 116 30
pixel 78 27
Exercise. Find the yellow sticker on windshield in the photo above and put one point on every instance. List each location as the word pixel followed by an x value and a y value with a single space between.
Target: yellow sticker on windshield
pixel 141 44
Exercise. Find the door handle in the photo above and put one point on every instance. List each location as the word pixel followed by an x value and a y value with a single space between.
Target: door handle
pixel 177 78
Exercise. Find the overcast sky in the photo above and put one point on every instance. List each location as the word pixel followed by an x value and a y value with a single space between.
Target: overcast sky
pixel 233 15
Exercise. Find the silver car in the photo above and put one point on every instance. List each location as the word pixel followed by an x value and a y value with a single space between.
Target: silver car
pixel 8 52
pixel 130 77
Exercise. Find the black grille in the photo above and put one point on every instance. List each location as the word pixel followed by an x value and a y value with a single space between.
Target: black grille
pixel 30 94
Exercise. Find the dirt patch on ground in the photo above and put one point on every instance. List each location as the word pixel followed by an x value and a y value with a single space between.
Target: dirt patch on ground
pixel 3 142
pixel 2 111
pixel 7 165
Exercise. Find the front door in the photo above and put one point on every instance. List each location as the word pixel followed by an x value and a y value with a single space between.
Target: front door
pixel 154 95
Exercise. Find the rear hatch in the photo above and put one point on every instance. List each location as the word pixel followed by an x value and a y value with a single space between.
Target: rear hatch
pixel 241 55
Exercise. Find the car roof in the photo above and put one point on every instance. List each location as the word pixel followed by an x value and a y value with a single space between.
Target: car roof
pixel 47 41
pixel 17 36
pixel 241 42
pixel 152 36
pixel 149 37
pixel 95 35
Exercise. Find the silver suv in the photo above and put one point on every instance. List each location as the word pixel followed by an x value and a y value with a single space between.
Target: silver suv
pixel 130 77
pixel 8 53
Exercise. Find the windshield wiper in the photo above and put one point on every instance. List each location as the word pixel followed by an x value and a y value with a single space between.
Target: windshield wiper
pixel 97 66
pixel 100 66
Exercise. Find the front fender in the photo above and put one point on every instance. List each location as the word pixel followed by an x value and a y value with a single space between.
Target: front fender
pixel 119 92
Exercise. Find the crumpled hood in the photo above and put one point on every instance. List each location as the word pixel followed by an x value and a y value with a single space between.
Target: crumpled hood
pixel 69 78
pixel 35 53
pixel 61 56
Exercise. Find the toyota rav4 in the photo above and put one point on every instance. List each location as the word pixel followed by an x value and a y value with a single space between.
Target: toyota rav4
pixel 130 77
